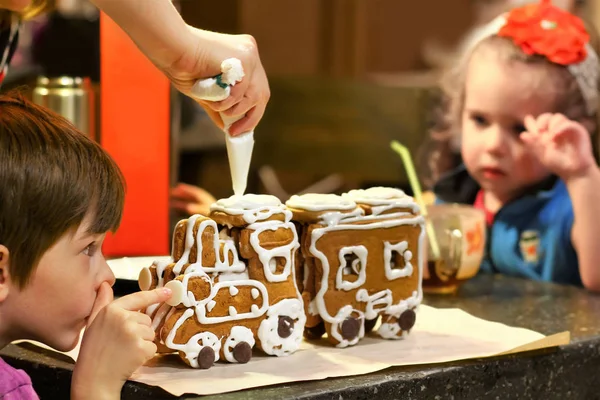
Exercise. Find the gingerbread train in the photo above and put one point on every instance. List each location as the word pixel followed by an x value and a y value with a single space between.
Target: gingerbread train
pixel 258 273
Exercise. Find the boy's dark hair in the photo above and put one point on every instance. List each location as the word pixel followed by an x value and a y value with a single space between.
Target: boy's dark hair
pixel 52 176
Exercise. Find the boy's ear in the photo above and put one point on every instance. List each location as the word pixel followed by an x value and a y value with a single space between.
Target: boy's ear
pixel 4 273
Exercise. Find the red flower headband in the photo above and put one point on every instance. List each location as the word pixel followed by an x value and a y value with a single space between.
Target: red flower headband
pixel 559 36
pixel 548 31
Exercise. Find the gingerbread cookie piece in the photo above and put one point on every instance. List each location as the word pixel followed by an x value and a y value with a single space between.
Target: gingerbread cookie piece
pixel 363 260
pixel 233 284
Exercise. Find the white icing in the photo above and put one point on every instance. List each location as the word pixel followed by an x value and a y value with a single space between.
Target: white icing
pixel 266 256
pixel 233 290
pixel 413 301
pixel 320 202
pixel 270 341
pixel 334 217
pixel 195 344
pixel 237 335
pixel 401 248
pixel 312 308
pixel 375 303
pixel 359 267
pixel 234 315
pixel 382 199
pixel 252 207
pixel 234 276
pixel 390 330
pixel 255 293
pixel 210 305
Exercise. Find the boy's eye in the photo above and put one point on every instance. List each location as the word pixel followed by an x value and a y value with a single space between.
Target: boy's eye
pixel 90 249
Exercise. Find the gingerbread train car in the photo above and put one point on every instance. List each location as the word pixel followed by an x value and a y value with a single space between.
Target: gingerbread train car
pixel 361 259
pixel 233 284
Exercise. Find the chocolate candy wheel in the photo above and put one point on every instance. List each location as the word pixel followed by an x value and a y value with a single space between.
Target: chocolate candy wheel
pixel 315 332
pixel 285 327
pixel 370 324
pixel 206 358
pixel 407 320
pixel 350 328
pixel 242 352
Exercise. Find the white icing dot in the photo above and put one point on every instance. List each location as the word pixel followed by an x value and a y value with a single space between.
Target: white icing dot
pixel 233 290
pixel 254 293
pixel 232 311
pixel 254 308
pixel 210 305
pixel 408 255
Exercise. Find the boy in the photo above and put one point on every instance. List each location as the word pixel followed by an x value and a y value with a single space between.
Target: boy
pixel 60 194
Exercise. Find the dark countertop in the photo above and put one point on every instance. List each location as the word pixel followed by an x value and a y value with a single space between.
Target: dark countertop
pixel 565 373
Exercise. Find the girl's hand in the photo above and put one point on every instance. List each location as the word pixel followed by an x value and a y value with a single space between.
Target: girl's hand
pixel 562 145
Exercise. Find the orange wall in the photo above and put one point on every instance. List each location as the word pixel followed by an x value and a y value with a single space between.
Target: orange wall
pixel 134 118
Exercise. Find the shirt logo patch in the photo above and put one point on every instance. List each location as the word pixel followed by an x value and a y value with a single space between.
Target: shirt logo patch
pixel 475 240
pixel 530 246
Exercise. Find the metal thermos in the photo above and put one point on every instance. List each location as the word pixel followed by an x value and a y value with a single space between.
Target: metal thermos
pixel 71 97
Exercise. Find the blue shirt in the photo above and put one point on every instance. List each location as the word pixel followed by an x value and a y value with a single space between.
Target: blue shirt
pixel 530 236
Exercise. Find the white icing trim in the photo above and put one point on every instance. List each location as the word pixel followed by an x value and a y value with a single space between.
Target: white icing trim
pixel 395 273
pixel 201 308
pixel 375 302
pixel 320 202
pixel 382 199
pixel 237 335
pixel 195 344
pixel 361 252
pixel 270 341
pixel 390 330
pixel 253 208
pixel 265 256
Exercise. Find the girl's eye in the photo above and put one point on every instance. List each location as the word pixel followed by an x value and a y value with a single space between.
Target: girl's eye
pixel 519 128
pixel 479 120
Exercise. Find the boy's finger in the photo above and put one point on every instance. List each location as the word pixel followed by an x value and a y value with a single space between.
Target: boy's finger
pixel 140 300
pixel 104 297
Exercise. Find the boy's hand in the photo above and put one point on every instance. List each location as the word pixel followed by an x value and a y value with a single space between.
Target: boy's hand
pixel 562 145
pixel 116 343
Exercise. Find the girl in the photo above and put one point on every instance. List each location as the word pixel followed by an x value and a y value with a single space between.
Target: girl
pixel 524 99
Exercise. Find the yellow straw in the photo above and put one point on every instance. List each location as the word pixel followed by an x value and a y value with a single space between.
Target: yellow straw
pixel 416 187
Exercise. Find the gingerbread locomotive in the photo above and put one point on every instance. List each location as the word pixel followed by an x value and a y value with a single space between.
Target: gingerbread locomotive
pixel 233 283
pixel 360 258
pixel 260 273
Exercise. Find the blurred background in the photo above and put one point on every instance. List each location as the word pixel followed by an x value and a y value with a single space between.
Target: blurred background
pixel 347 77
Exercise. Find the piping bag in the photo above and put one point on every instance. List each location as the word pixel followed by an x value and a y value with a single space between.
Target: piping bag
pixel 239 148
